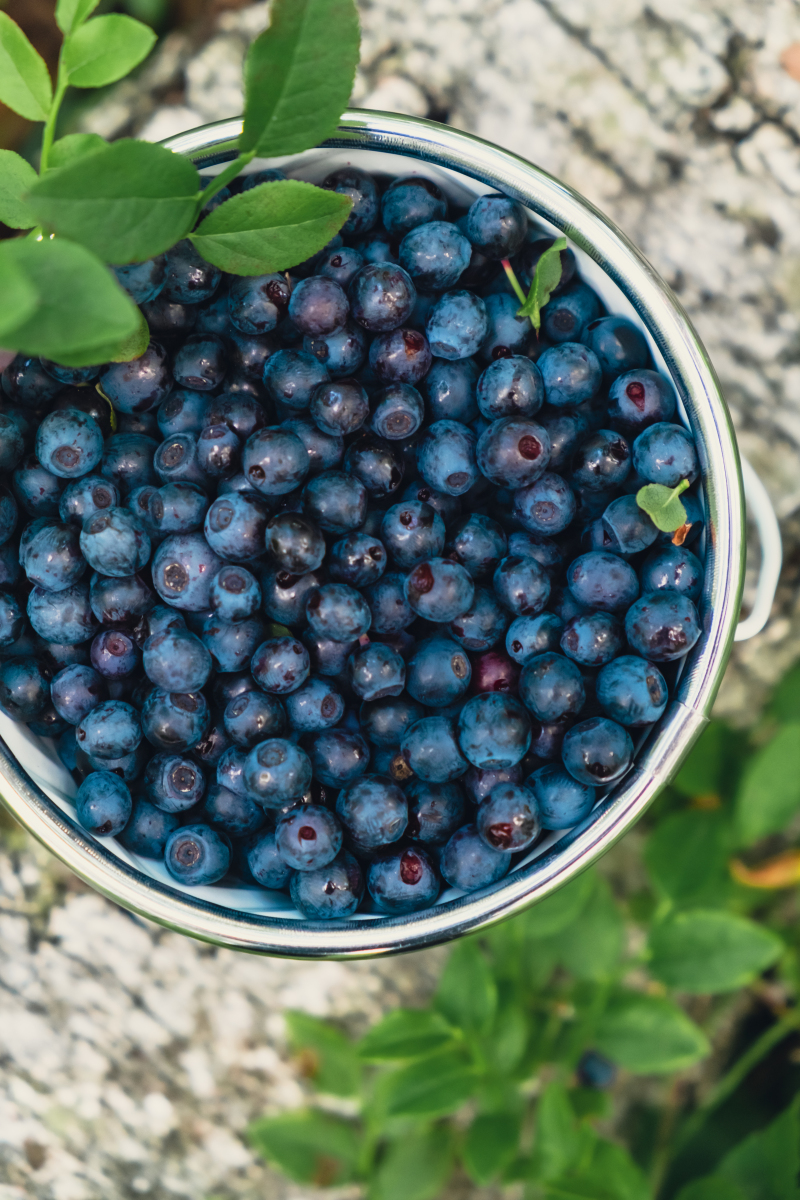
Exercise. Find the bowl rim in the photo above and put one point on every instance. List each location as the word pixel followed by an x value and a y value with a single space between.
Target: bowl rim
pixel 685 717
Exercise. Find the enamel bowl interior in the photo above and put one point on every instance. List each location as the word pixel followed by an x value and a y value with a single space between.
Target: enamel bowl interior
pixel 39 790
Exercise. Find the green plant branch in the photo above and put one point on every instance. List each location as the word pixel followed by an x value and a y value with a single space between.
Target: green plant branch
pixel 512 279
pixel 52 117
pixel 225 176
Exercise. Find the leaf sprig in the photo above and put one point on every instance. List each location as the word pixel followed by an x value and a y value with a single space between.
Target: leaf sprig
pixel 662 505
pixel 546 279
pixel 93 204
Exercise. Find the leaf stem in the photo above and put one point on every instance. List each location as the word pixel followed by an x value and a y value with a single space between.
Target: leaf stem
pixel 225 176
pixel 512 279
pixel 50 123
pixel 676 491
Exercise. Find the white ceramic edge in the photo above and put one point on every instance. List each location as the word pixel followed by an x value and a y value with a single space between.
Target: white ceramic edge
pixel 657 761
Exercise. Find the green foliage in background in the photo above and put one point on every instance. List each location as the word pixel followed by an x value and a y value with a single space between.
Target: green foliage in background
pixel 685 971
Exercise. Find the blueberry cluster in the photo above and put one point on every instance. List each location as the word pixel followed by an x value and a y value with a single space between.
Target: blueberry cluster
pixel 342 587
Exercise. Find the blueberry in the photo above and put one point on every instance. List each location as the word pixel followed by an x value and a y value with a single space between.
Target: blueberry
pixel 138 386
pixel 260 862
pixel 402 881
pixel 50 554
pixel 248 355
pixel 629 526
pixel 360 189
pixel 284 596
pixel 281 665
pixel 620 345
pixel 662 626
pixel 115 543
pixel 234 594
pixel 397 411
pixel 276 772
pixel 327 657
pixel 175 721
pixel 565 317
pixel 147 830
pixel 468 863
pixel 571 374
pixel 127 461
pixel 235 526
pixel 378 246
pixel 482 625
pixel 161 618
pixel 339 407
pixel 592 638
pixel 439 590
pixel 114 654
pixel 176 661
pixel 24 689
pixel 64 617
pixel 256 178
pixel 546 506
pixel 439 672
pixel 409 201
pixel 435 811
pixel 74 375
pixel 551 687
pixel 385 721
pixel 507 333
pixel 231 644
pixel 177 508
pixel 508 820
pixel 388 605
pixel 357 560
pixel 431 750
pixel 513 452
pixel 382 297
pixel 200 362
pixel 103 804
pixel 446 457
pixel 213 316
pixel 373 810
pixel 338 612
pixel 632 691
pixel 218 451
pixel 68 443
pixel 242 413
pixel 183 567
pixel 212 746
pixel 602 580
pixel 597 752
pixel 177 460
pixel 324 450
pixel 528 636
pixel 10 570
pixel 11 620
pixel 189 278
pixel 9 515
pixel 561 801
pixel 329 893
pixel 168 319
pixel 342 352
pixel 457 325
pixel 341 265
pixel 376 672
pixel 274 461
pixel 313 706
pixel 338 757
pixel 36 490
pixel 196 855
pixel 496 225
pixel 494 731
pixel 295 543
pixel 412 533
pixel 672 568
pixel 231 813
pixel 479 784
pixel 173 782
pixel 143 281
pixel 230 767
pixel 603 461
pixel 665 454
pixel 400 356
pixel 109 730
pixel 84 497
pixel 308 838
pixel 449 389
pixel 256 303
pixel 26 382
pixel 510 387
pixel 318 306
pixel 435 254
pixel 639 399
pixel 521 585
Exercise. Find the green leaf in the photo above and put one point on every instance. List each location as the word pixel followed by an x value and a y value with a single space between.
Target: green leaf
pixel 430 1087
pixel 105 50
pixel 687 854
pixel 591 947
pixel 74 146
pixel 131 347
pixel 609 1173
pixel 764 1166
pixel 561 908
pixel 711 1187
pixel 19 298
pixel 506 1044
pixel 308 1145
pixel 299 75
pixel 405 1033
pixel 127 203
pixel 558 1136
pixel 271 227
pixel 546 277
pixel 491 1143
pixel 706 769
pixel 649 1035
pixel 329 1057
pixel 72 13
pixel 24 79
pixel 710 951
pixel 415 1167
pixel 467 992
pixel 662 505
pixel 82 312
pixel 785 702
pixel 769 794
pixel 16 177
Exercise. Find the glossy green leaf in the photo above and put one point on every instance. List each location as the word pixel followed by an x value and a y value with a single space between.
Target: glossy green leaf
pixel 405 1033
pixel 19 296
pixel 131 347
pixel 271 227
pixel 72 13
pixel 663 506
pixel 591 947
pixel 299 75
pixel 24 79
pixel 490 1144
pixel 605 1172
pixel 546 277
pixel 708 950
pixel 82 313
pixel 329 1058
pixel 769 793
pixel 764 1166
pixel 415 1167
pixel 127 203
pixel 467 992
pixel 16 177
pixel 105 50
pixel 308 1145
pixel 429 1087
pixel 649 1035
pixel 561 909
pixel 74 146
pixel 687 854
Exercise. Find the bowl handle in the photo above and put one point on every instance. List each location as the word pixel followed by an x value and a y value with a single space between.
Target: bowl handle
pixel 760 510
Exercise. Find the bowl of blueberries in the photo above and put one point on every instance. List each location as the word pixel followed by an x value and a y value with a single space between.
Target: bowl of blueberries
pixel 333 625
